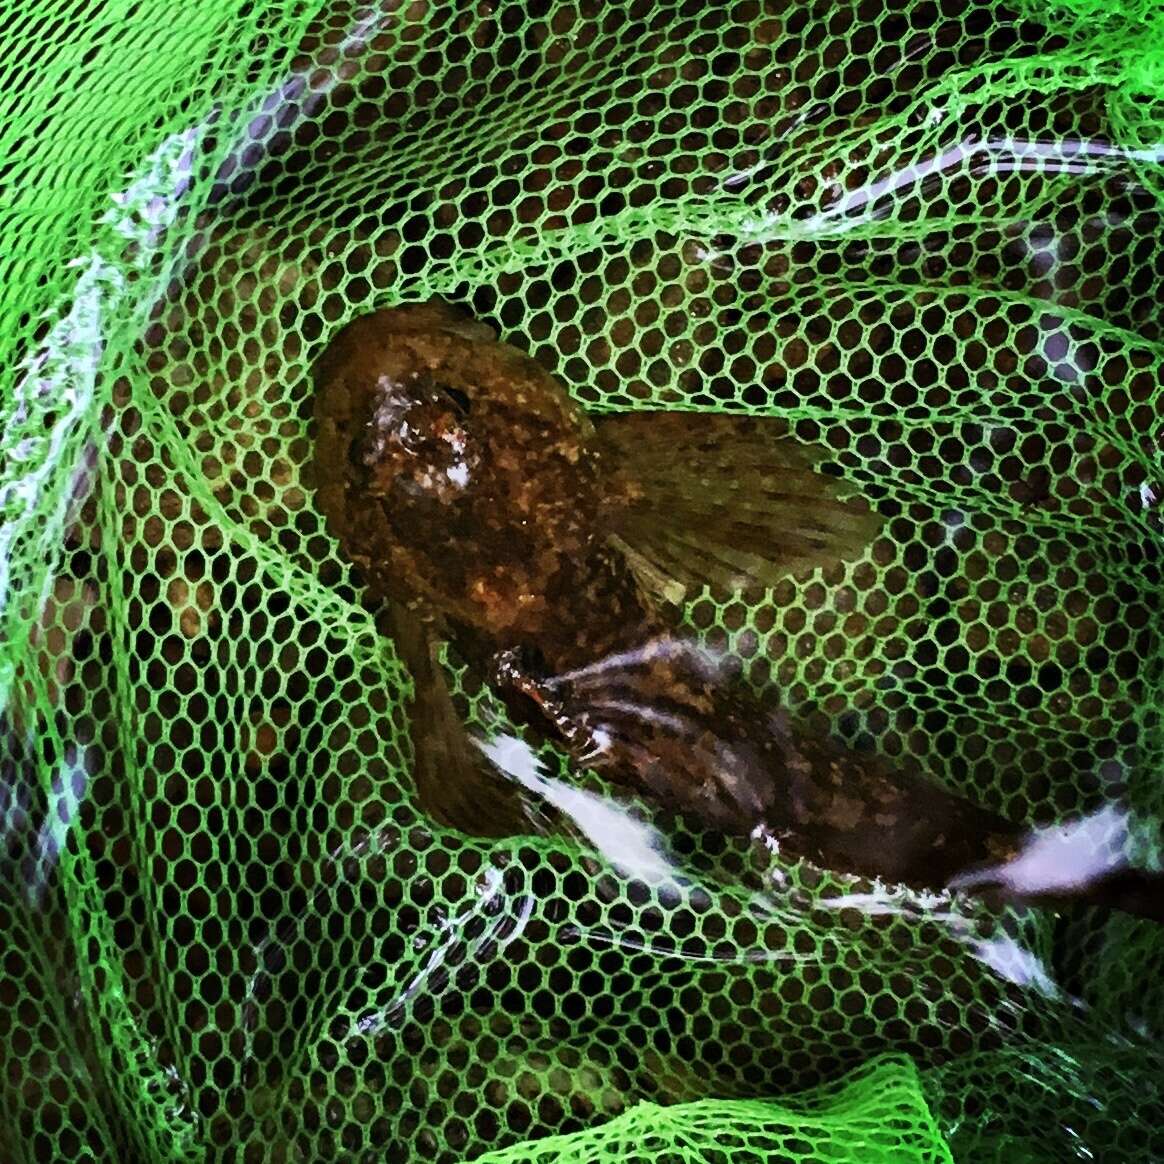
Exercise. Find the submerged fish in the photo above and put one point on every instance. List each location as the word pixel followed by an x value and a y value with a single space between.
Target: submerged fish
pixel 490 510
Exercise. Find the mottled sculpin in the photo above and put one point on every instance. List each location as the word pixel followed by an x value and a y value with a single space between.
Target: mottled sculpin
pixel 488 508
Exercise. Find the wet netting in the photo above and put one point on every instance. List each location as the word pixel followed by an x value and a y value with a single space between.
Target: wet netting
pixel 927 235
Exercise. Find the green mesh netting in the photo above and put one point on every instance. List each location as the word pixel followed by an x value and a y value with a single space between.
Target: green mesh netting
pixel 928 234
pixel 878 1114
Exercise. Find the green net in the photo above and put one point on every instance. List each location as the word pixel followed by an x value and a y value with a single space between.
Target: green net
pixel 925 234
pixel 878 1114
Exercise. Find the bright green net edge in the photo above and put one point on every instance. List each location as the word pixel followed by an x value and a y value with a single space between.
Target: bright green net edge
pixel 877 1113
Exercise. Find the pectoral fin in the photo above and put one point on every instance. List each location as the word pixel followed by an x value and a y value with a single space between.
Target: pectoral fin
pixel 456 785
pixel 726 501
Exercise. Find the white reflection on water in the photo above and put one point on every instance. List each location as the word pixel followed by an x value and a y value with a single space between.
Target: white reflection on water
pixel 64 805
pixel 1009 960
pixel 1060 858
pixel 633 847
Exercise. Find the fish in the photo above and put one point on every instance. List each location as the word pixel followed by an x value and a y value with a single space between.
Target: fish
pixel 484 505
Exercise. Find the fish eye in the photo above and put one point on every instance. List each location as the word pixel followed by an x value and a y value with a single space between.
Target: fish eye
pixel 460 399
pixel 356 455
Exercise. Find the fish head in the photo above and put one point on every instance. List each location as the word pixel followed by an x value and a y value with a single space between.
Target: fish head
pixel 456 471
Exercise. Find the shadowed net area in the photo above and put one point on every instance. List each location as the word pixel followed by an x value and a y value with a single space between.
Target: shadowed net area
pixel 925 235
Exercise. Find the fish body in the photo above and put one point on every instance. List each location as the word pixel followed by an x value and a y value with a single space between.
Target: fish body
pixel 474 493
pixel 694 740
pixel 490 510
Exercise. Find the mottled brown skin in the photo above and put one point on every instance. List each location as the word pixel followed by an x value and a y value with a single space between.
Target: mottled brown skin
pixel 477 496
pixel 471 487
pixel 668 721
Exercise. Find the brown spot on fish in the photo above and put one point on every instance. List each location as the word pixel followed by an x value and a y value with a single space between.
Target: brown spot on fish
pixel 846 812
